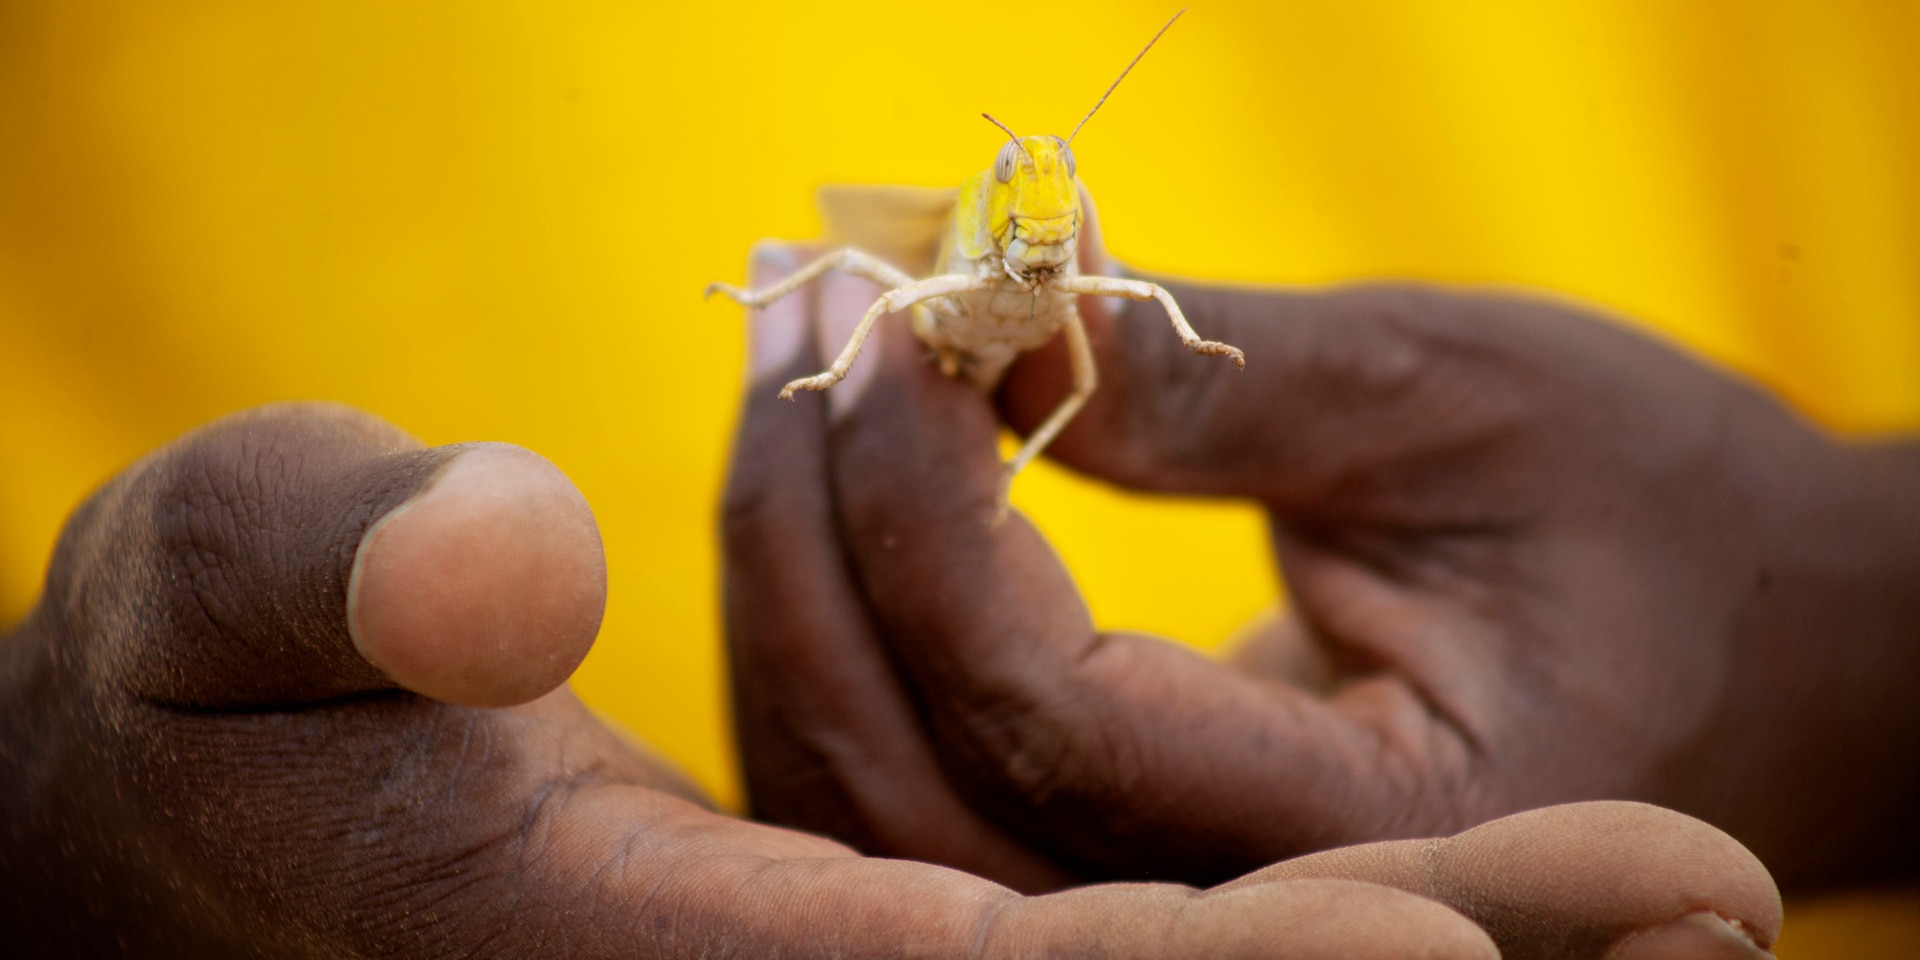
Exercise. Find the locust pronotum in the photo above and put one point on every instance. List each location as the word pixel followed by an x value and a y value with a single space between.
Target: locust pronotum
pixel 1006 279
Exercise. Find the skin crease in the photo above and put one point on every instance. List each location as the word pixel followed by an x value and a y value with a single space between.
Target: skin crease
pixel 1533 558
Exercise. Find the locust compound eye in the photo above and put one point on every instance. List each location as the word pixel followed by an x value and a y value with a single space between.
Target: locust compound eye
pixel 1003 165
pixel 1067 152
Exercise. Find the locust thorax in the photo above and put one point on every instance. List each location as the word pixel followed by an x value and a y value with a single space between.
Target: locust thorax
pixel 1036 206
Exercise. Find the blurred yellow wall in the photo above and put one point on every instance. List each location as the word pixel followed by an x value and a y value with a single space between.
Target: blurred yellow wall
pixel 486 220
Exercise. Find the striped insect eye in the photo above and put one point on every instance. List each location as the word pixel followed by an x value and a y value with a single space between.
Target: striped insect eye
pixel 1067 152
pixel 1003 165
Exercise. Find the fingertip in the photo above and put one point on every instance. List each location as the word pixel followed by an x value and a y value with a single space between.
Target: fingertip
pixel 775 332
pixel 1095 261
pixel 1635 867
pixel 486 588
pixel 905 434
pixel 1093 248
pixel 844 301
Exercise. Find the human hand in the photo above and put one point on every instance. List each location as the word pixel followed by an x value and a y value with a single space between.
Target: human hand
pixel 862 576
pixel 219 736
pixel 1533 557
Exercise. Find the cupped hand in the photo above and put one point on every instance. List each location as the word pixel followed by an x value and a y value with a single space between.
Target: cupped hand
pixel 290 692
pixel 920 683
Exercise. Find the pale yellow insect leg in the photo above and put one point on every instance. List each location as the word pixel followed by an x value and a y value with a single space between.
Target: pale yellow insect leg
pixel 857 262
pixel 1142 290
pixel 889 302
pixel 1086 377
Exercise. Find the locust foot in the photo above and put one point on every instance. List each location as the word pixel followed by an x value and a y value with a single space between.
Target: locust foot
pixel 1214 348
pixel 819 381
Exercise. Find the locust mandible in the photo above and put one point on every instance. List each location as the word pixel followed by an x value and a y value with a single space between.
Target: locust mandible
pixel 1006 280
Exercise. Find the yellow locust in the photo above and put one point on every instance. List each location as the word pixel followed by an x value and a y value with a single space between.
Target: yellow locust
pixel 1006 277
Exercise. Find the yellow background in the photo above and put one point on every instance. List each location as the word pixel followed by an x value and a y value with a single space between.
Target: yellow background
pixel 493 221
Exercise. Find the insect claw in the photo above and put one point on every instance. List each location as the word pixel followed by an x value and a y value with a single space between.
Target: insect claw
pixel 737 295
pixel 1215 348
pixel 816 382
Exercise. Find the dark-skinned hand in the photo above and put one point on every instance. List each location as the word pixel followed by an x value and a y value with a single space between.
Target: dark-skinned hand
pixel 290 691
pixel 1533 557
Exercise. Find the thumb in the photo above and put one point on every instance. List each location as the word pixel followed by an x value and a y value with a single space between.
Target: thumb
pixel 301 553
pixel 1330 381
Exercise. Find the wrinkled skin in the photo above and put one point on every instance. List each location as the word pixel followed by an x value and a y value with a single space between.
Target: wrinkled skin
pixel 1533 557
pixel 215 741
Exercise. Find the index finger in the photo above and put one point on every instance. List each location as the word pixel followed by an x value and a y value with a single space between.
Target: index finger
pixel 830 740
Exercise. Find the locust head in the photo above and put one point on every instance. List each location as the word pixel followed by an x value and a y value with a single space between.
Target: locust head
pixel 1033 211
pixel 1033 205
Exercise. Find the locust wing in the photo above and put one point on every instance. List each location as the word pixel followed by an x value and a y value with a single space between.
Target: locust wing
pixel 899 224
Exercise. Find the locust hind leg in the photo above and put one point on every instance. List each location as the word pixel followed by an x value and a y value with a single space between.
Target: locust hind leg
pixel 848 260
pixel 1142 290
pixel 898 298
pixel 1085 378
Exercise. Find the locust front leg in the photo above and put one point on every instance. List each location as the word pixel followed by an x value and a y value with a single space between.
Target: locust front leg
pixel 849 260
pixel 1142 290
pixel 889 302
pixel 1086 377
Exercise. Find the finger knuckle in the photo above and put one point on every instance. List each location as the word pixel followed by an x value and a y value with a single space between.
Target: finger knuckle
pixel 213 510
pixel 1053 754
pixel 254 530
pixel 1377 342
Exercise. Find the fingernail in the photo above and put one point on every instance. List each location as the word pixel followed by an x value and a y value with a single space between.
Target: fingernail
pixel 776 331
pixel 844 300
pixel 1696 936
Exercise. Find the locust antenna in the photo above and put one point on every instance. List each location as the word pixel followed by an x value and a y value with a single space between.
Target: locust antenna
pixel 1116 80
pixel 1014 136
